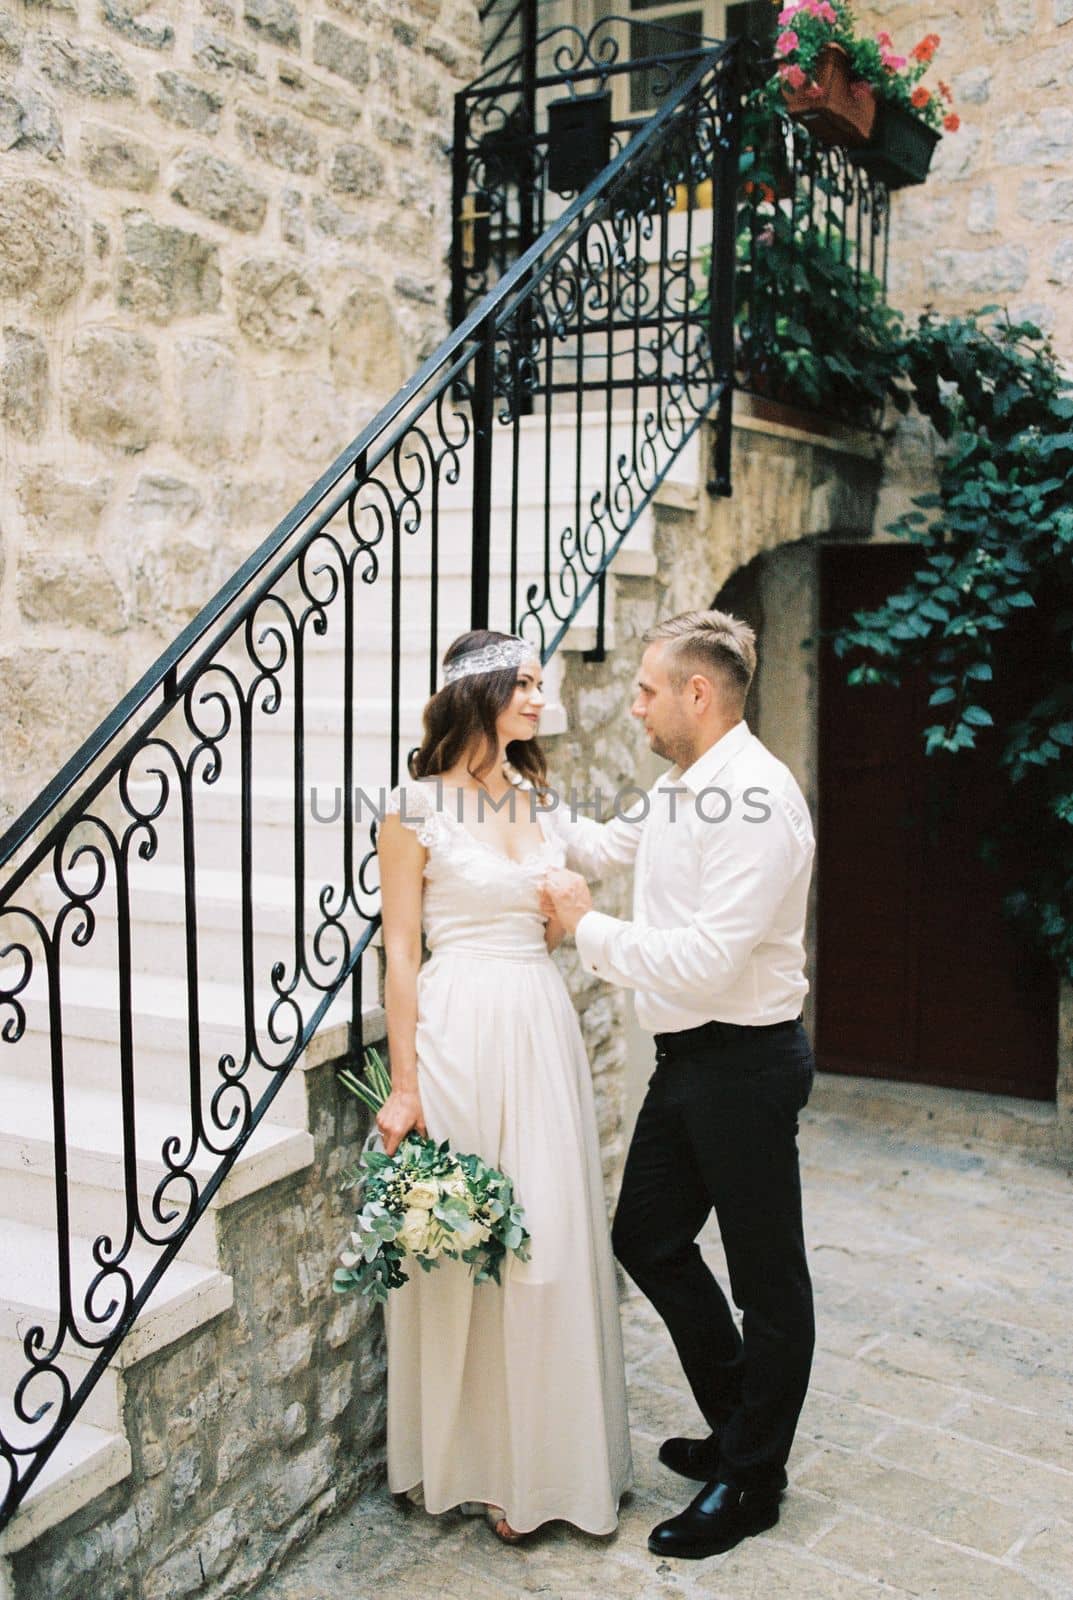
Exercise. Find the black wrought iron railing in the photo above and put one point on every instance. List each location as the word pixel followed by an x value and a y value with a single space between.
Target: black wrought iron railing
pixel 812 323
pixel 495 488
pixel 554 106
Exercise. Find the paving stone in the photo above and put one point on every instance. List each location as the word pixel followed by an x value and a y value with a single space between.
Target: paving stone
pixel 933 1457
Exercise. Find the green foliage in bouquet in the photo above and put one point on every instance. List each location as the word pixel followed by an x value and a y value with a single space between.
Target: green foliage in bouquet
pixel 426 1202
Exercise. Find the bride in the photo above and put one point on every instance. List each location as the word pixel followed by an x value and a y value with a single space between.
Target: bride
pixel 510 1399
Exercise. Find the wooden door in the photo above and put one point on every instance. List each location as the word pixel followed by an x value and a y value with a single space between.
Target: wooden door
pixel 919 976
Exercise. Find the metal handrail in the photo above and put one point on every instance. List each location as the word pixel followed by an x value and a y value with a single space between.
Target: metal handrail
pixel 608 292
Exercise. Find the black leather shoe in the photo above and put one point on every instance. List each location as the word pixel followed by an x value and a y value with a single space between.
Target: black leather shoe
pixel 715 1521
pixel 692 1458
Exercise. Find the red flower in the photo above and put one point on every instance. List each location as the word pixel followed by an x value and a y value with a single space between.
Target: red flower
pixel 946 91
pixel 926 48
pixel 920 96
pixel 951 122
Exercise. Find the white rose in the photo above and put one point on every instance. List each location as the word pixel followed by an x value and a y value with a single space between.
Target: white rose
pixel 413 1235
pixel 423 1194
pixel 474 1233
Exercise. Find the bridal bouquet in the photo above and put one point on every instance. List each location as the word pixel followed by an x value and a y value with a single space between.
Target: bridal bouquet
pixel 427 1202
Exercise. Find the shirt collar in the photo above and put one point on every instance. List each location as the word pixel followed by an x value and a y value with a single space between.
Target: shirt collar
pixel 708 765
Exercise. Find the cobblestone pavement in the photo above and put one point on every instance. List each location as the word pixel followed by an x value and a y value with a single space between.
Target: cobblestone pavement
pixel 935 1453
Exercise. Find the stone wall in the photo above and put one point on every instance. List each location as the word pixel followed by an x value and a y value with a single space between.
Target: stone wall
pixel 223 227
pixel 992 223
pixel 249 1431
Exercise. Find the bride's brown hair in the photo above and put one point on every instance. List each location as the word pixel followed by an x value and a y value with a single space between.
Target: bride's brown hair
pixel 460 720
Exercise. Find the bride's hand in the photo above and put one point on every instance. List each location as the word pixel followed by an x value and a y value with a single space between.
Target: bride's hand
pixel 399 1115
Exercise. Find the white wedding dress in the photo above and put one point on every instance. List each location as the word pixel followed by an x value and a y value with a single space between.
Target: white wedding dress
pixel 511 1395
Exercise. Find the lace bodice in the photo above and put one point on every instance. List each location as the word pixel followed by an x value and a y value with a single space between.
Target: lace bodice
pixel 475 897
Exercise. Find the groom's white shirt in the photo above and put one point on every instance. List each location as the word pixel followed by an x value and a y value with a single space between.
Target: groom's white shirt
pixel 722 856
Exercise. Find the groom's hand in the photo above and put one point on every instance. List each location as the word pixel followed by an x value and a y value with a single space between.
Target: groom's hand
pixel 566 895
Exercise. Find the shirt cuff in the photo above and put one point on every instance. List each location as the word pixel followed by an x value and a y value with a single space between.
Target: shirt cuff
pixel 592 937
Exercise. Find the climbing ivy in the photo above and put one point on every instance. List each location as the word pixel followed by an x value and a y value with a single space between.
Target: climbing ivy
pixel 996 542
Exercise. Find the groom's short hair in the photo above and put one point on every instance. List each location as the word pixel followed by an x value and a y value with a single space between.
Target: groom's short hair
pixel 712 643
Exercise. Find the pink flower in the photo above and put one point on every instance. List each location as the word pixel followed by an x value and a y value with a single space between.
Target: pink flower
pixel 789 12
pixel 793 75
pixel 885 41
pixel 891 62
pixel 786 42
pixel 827 13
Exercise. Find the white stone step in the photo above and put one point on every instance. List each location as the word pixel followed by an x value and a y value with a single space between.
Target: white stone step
pixel 157 907
pixel 187 1297
pixel 95 1163
pixel 85 1463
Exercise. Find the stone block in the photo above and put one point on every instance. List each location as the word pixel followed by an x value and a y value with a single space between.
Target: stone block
pixel 394 130
pixel 1013 19
pixel 957 158
pixel 216 414
pixel 307 1476
pixel 340 52
pixel 290 1355
pixel 277 139
pixel 85 69
pixel 206 1553
pixel 973 86
pixel 276 20
pixel 62 504
pixel 983 210
pixel 294 1426
pixel 42 251
pixel 165 272
pixel 139 22
pixel 181 101
pixel 291 218
pixel 1063 12
pixel 161 504
pixel 69 588
pixel 29 121
pixel 335 1392
pixel 1045 200
pixel 116 160
pixel 12 35
pixel 366 344
pixel 310 420
pixel 1026 141
pixel 275 305
pixel 331 223
pixel 112 388
pixel 314 99
pixel 24 382
pixel 215 53
pixel 218 189
pixel 1060 266
pixel 977 271
pixel 356 171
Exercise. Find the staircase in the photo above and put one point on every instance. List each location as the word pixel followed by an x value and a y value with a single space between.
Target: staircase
pixel 193 898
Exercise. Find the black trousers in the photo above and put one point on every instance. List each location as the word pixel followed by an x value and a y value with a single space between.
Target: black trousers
pixel 718 1129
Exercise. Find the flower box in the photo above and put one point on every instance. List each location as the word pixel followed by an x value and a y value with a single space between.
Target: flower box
pixel 835 108
pixel 900 150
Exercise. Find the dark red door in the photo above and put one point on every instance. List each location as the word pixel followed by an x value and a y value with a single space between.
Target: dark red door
pixel 919 976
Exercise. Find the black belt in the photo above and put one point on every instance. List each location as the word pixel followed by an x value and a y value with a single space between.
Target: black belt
pixel 710 1033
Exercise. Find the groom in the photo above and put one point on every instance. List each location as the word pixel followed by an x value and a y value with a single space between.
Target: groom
pixel 723 849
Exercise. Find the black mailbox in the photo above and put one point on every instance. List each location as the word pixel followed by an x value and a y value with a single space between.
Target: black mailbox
pixel 579 141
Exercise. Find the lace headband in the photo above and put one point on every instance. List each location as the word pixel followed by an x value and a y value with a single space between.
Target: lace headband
pixel 490 658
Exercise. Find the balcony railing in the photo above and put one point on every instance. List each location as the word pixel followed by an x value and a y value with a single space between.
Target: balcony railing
pixel 812 230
